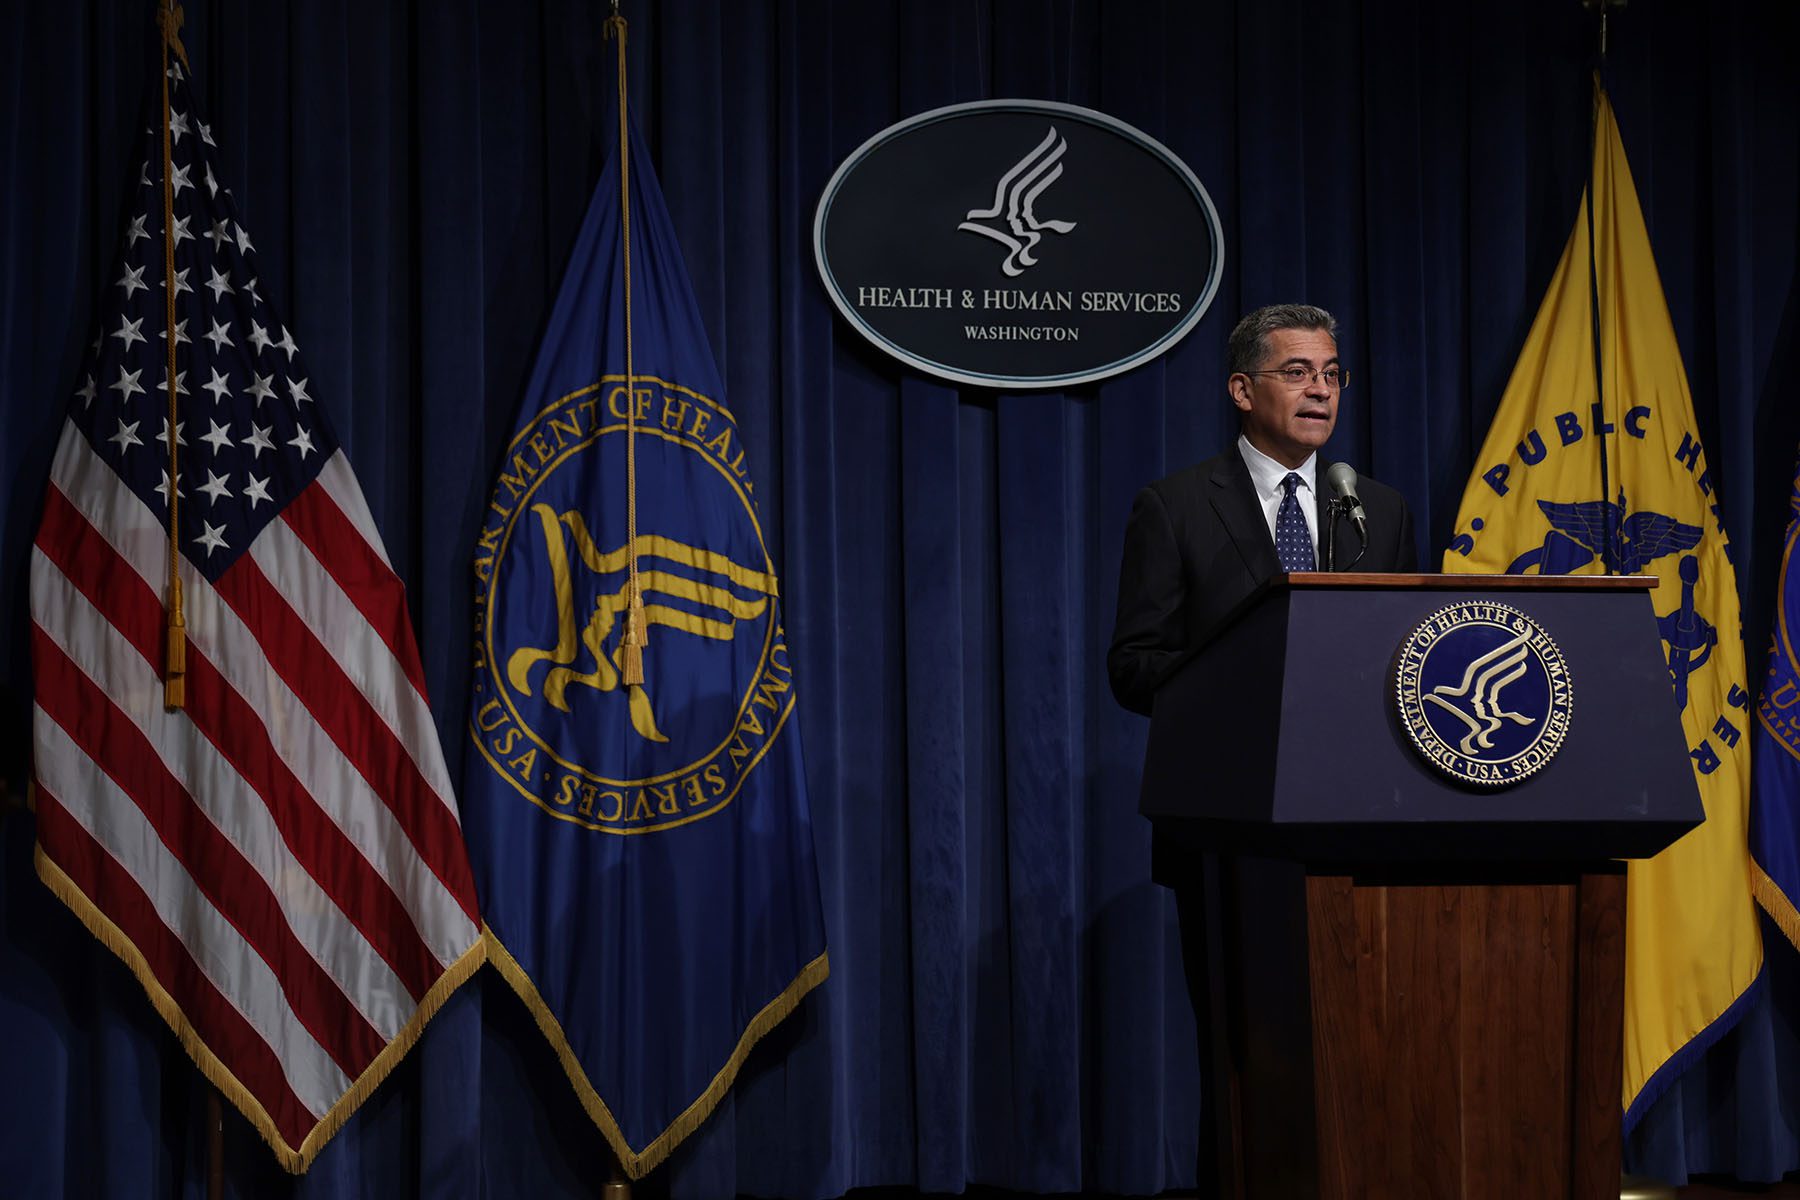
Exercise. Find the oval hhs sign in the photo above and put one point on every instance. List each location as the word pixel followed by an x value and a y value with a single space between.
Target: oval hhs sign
pixel 1018 244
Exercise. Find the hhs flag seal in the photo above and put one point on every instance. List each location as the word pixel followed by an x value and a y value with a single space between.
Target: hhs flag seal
pixel 1483 692
pixel 554 717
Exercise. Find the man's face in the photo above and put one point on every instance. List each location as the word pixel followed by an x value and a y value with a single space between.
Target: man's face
pixel 1284 421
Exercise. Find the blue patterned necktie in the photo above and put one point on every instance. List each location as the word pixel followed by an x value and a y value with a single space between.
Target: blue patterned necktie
pixel 1293 541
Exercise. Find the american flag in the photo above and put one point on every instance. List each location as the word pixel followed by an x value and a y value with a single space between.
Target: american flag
pixel 280 862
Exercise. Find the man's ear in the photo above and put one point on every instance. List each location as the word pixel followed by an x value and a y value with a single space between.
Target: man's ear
pixel 1239 388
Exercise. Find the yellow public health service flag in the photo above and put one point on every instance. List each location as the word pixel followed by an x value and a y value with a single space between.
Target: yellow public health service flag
pixel 1595 472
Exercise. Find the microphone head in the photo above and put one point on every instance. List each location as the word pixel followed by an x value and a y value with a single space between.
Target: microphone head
pixel 1342 478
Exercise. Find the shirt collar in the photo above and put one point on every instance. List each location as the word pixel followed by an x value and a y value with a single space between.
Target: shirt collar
pixel 1266 474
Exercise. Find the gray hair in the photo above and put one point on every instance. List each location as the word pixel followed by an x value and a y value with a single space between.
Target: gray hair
pixel 1249 342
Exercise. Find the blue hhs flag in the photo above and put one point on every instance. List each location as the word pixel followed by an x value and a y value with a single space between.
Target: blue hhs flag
pixel 1775 752
pixel 643 852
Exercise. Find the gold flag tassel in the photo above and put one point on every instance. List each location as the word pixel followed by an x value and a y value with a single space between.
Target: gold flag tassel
pixel 637 629
pixel 169 18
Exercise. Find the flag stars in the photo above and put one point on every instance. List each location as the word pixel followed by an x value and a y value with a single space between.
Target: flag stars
pixel 220 337
pixel 218 437
pixel 126 384
pixel 302 441
pixel 180 387
pixel 162 487
pixel 127 332
pixel 163 437
pixel 205 132
pixel 260 389
pixel 181 231
pixel 133 281
pixel 219 386
pixel 243 240
pixel 258 441
pixel 212 185
pixel 181 337
pixel 134 232
pixel 127 436
pixel 220 283
pixel 259 337
pixel 181 283
pixel 297 391
pixel 179 179
pixel 87 391
pixel 220 233
pixel 215 488
pixel 212 537
pixel 256 490
pixel 287 343
pixel 177 126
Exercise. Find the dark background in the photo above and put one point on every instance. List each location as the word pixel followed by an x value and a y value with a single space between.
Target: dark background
pixel 1005 1005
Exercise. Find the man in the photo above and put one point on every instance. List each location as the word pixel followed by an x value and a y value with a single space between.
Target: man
pixel 1201 540
pixel 1198 543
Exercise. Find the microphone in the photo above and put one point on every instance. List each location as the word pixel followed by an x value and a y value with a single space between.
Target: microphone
pixel 1342 478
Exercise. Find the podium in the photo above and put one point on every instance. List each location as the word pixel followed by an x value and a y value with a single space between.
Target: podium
pixel 1416 981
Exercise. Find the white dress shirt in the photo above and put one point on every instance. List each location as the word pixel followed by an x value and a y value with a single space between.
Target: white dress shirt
pixel 1265 477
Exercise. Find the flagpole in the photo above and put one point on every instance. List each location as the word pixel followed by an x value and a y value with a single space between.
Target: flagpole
pixel 631 645
pixel 1629 1185
pixel 1608 555
pixel 169 20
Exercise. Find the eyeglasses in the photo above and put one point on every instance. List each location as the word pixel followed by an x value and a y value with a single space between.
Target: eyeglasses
pixel 1296 376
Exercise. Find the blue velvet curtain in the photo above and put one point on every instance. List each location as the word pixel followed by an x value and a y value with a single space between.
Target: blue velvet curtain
pixel 1006 1003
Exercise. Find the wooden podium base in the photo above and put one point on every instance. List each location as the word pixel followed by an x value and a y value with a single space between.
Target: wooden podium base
pixel 1452 1031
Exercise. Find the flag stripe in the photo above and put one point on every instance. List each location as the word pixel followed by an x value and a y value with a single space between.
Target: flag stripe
pixel 365 577
pixel 220 786
pixel 340 484
pixel 357 889
pixel 309 670
pixel 99 729
pixel 113 890
pixel 334 783
pixel 89 796
pixel 361 652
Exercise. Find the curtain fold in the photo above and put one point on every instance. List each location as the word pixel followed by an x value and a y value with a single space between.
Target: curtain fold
pixel 1006 1005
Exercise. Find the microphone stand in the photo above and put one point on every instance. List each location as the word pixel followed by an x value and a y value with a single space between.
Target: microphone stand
pixel 1335 508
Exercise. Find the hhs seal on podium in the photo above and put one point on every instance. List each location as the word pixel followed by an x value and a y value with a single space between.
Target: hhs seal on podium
pixel 1483 692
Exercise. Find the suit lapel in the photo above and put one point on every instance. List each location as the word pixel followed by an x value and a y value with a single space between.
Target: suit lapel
pixel 1234 499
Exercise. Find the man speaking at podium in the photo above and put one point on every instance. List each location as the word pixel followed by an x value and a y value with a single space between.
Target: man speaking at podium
pixel 1201 540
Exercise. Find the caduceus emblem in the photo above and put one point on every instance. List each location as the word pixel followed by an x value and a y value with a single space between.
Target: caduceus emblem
pixel 708 586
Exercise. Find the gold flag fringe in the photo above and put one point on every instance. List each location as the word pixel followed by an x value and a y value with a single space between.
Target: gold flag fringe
pixel 637 1164
pixel 1775 902
pixel 293 1159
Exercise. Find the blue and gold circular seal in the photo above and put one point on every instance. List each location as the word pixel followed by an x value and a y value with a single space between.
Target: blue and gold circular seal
pixel 1483 692
pixel 556 714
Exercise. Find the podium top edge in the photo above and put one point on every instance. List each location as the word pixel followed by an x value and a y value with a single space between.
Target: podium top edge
pixel 1466 583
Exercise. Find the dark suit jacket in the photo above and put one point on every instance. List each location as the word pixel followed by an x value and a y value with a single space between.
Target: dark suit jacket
pixel 1197 544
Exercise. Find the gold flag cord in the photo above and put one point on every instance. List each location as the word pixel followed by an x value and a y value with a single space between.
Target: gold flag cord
pixel 169 19
pixel 631 664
